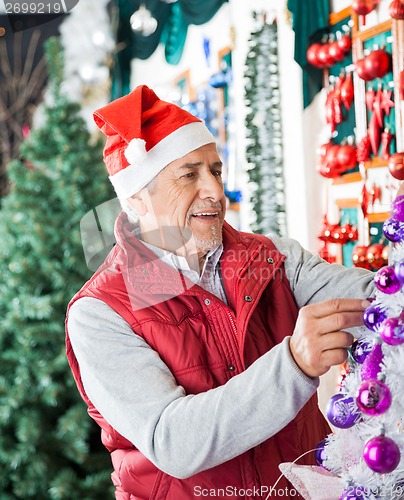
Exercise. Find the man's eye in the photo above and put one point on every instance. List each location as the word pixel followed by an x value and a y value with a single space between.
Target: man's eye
pixel 189 175
pixel 217 173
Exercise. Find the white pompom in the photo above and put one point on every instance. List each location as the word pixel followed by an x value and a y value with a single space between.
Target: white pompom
pixel 136 151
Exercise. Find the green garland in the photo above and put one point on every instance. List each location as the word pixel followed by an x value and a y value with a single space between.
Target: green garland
pixel 264 150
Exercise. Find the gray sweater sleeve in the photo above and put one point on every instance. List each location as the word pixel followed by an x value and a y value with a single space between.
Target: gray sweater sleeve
pixel 314 280
pixel 181 434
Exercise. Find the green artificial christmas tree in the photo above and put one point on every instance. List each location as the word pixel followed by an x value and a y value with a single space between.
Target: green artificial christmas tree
pixel 49 448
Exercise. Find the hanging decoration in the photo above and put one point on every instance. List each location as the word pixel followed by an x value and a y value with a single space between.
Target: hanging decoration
pixel 264 130
pixel 142 21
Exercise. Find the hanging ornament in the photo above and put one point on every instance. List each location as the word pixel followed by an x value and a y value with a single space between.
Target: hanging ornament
pixel 399 270
pixel 371 366
pixel 364 7
pixel 373 317
pixel 375 194
pixel 370 95
pixel 386 141
pixel 373 397
pixel 142 21
pixel 320 454
pixel 386 280
pixel 360 350
pixel 381 454
pixel 374 134
pixel 393 230
pixel 324 57
pixel 346 157
pixel 396 165
pixel 359 256
pixel 392 331
pixel 374 256
pixel 363 150
pixel 361 70
pixel 387 103
pixel 378 107
pixel 364 200
pixel 344 41
pixel 396 9
pixel 342 412
pixel 398 208
pixel 336 52
pixel 312 55
pixel 378 63
pixel 347 91
pixel 385 254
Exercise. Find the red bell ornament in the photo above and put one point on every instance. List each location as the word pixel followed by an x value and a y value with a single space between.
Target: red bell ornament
pixel 377 64
pixel 312 55
pixel 396 166
pixel 396 9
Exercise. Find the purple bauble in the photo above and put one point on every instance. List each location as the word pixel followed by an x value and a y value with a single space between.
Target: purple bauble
pixel 386 280
pixel 320 453
pixel 393 230
pixel 392 331
pixel 381 454
pixel 353 493
pixel 360 349
pixel 373 317
pixel 371 366
pixel 342 411
pixel 399 270
pixel 397 211
pixel 373 397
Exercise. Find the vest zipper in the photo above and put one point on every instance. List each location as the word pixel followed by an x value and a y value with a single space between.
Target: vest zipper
pixel 232 324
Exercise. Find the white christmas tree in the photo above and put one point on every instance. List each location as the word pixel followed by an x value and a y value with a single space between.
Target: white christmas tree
pixel 367 448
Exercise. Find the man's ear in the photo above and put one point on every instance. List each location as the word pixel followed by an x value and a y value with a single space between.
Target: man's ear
pixel 138 203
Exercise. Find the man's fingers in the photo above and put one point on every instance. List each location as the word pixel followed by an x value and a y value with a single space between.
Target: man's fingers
pixel 333 306
pixel 333 357
pixel 339 321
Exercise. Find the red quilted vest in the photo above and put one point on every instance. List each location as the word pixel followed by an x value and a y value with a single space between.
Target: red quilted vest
pixel 176 318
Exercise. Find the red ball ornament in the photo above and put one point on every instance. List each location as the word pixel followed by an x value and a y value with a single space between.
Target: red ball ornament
pixel 345 43
pixel 364 7
pixel 359 256
pixel 336 52
pixel 324 57
pixel 312 53
pixel 346 157
pixel 396 9
pixel 396 165
pixel 361 71
pixel 377 64
pixel 374 256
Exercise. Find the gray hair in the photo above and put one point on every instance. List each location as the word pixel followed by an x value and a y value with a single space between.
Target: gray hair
pixel 126 206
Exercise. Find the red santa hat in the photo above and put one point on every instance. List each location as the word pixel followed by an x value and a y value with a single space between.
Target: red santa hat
pixel 145 134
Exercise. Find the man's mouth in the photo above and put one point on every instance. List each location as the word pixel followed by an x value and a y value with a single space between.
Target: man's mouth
pixel 206 215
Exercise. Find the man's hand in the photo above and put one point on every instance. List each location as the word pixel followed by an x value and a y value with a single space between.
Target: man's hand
pixel 319 341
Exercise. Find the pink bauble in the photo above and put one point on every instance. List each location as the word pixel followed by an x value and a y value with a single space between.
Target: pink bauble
pixel 373 397
pixel 381 454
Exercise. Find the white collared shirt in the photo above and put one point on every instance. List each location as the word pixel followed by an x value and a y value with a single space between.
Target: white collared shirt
pixel 209 278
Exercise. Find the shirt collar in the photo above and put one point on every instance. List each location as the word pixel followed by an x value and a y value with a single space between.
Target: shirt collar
pixel 179 262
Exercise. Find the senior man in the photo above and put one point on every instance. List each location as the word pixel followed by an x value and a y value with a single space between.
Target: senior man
pixel 196 347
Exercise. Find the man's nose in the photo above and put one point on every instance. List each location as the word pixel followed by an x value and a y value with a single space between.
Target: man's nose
pixel 211 187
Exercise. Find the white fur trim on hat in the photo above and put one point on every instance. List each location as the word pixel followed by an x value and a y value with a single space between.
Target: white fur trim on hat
pixel 179 143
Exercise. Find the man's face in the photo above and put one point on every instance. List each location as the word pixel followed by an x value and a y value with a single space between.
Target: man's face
pixel 187 197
